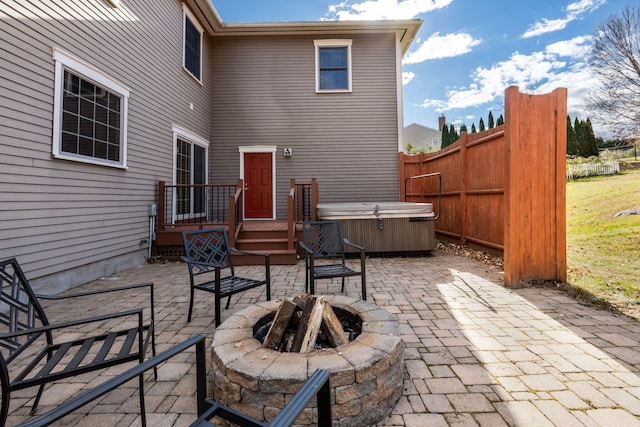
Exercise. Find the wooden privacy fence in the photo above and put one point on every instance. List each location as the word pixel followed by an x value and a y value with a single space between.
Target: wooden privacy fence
pixel 504 189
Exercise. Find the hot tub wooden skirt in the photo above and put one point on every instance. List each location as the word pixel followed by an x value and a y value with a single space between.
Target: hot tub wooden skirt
pixel 385 235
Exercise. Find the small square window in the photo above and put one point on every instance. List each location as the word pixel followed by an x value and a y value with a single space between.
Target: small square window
pixel 192 44
pixel 333 65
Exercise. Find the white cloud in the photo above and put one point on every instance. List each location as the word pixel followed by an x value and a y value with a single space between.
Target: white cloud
pixel 538 72
pixel 577 47
pixel 580 7
pixel 407 76
pixel 573 11
pixel 435 47
pixel 438 104
pixel 438 46
pixel 578 80
pixel 384 9
pixel 546 26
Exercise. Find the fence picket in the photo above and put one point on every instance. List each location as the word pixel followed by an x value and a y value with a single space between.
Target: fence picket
pixel 582 170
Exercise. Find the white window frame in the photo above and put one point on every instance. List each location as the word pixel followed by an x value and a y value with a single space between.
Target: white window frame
pixel 333 43
pixel 186 14
pixel 194 139
pixel 65 61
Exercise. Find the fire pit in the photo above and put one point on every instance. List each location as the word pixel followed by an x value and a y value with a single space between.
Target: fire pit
pixel 366 373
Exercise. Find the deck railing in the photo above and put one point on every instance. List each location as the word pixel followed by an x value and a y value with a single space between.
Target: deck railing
pixel 183 207
pixel 200 205
pixel 306 199
pixel 301 206
pixel 235 212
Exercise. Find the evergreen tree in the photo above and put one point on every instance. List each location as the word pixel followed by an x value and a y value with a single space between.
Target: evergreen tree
pixel 490 121
pixel 592 144
pixel 481 125
pixel 463 128
pixel 581 137
pixel 453 135
pixel 500 121
pixel 445 137
pixel 572 141
pixel 473 128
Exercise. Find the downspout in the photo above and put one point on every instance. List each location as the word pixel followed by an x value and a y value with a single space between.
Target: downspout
pixel 399 92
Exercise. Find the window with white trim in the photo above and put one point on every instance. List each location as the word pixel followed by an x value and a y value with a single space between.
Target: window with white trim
pixel 90 114
pixel 192 52
pixel 333 65
pixel 190 169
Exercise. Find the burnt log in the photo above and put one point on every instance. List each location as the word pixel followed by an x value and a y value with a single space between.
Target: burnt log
pixel 274 337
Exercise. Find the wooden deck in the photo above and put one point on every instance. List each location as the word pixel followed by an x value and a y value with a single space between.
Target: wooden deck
pixel 266 236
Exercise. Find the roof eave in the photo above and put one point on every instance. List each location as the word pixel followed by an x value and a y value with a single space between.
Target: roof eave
pixel 206 12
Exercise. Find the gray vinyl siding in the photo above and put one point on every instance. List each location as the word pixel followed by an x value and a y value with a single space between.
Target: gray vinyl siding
pixel 58 216
pixel 264 94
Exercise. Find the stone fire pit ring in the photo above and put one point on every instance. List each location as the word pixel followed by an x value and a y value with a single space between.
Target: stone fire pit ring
pixel 366 374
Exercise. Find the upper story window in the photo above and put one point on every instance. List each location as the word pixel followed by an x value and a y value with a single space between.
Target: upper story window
pixel 90 114
pixel 333 65
pixel 192 53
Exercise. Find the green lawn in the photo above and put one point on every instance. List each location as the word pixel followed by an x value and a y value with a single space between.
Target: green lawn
pixel 603 252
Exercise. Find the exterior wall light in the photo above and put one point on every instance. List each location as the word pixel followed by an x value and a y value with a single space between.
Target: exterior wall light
pixel 287 152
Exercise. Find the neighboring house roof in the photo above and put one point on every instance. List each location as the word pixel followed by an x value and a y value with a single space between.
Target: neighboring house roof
pixel 208 15
pixel 421 136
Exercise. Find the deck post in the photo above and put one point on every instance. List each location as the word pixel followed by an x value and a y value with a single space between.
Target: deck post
pixel 291 214
pixel 232 221
pixel 314 199
pixel 161 207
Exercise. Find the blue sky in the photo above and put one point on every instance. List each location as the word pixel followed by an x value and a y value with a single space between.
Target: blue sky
pixel 467 53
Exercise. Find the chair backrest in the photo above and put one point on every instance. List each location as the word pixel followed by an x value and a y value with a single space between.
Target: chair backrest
pixel 19 309
pixel 324 238
pixel 209 247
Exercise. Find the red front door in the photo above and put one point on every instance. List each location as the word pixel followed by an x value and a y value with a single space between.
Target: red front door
pixel 258 186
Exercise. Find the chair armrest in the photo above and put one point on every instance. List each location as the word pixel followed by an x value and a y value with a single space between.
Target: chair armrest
pixel 96 292
pixel 353 245
pixel 148 285
pixel 63 325
pixel 317 385
pixel 234 250
pixel 217 410
pixel 91 395
pixel 305 247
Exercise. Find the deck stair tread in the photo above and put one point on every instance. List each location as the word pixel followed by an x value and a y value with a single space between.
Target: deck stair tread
pixel 265 237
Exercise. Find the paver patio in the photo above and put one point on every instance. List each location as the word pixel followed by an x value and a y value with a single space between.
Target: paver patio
pixel 477 354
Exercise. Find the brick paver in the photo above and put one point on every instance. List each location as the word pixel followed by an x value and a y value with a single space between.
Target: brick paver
pixel 477 354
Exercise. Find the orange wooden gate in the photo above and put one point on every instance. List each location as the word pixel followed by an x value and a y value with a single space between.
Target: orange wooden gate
pixel 504 189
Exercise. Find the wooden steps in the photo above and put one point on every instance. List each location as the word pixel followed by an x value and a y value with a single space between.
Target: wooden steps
pixel 265 237
pixel 255 236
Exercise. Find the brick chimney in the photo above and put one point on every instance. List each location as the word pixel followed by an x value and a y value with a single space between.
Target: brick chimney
pixel 441 121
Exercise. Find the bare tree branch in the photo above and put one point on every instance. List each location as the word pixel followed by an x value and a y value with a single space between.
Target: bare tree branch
pixel 614 59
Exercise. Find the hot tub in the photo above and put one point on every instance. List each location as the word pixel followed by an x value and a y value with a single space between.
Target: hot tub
pixel 384 227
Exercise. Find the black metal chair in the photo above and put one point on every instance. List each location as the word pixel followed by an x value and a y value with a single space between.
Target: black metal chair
pixel 208 252
pixel 322 240
pixel 26 331
pixel 317 385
